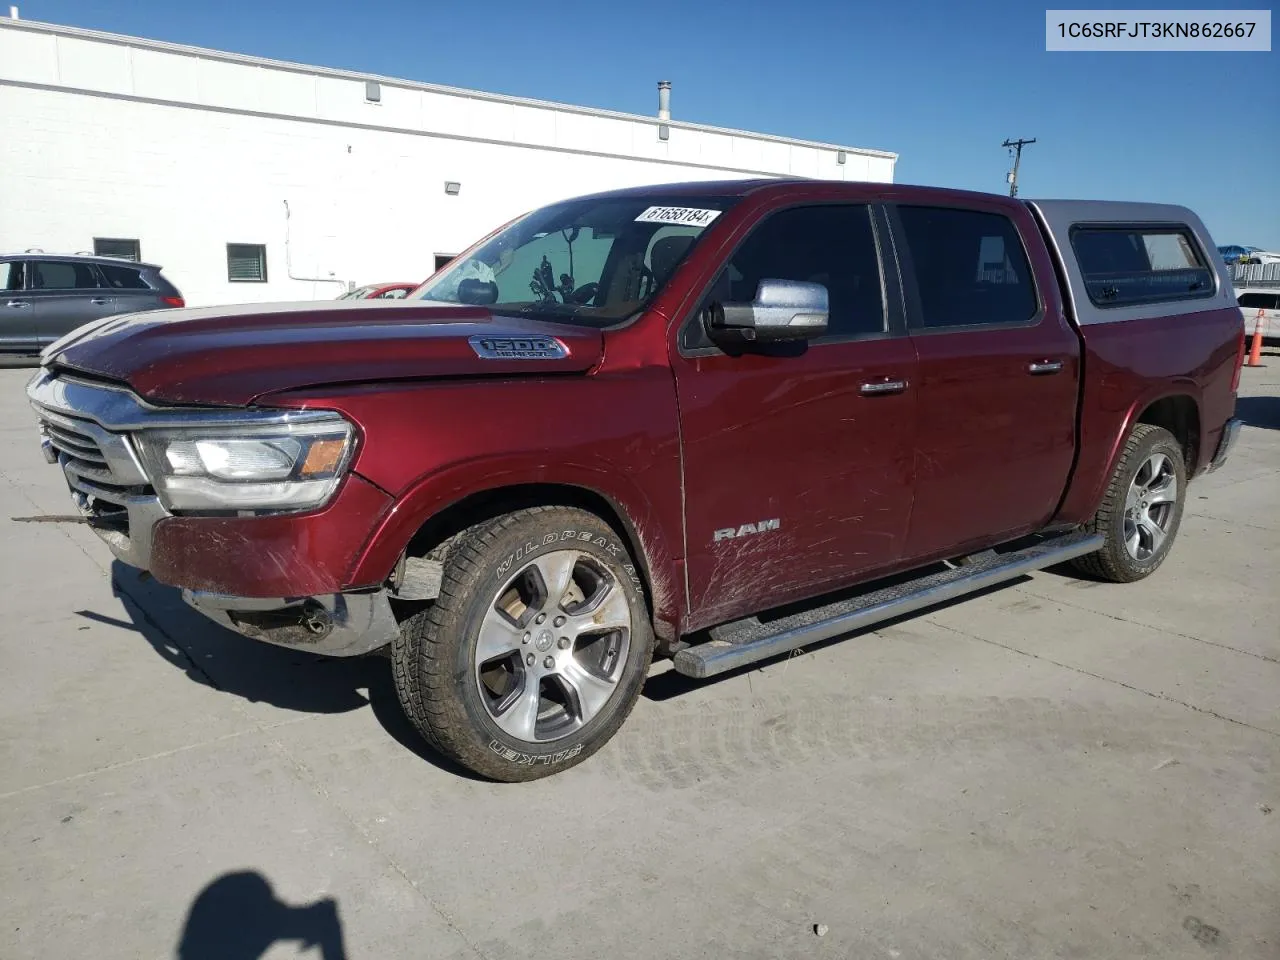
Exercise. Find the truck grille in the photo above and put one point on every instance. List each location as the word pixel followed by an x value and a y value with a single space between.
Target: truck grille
pixel 99 492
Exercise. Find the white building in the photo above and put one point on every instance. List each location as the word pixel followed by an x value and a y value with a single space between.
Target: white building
pixel 212 163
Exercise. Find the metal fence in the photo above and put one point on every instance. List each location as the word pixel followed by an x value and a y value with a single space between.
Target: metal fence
pixel 1255 274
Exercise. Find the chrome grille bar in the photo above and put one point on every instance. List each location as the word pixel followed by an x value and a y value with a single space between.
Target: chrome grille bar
pixel 120 496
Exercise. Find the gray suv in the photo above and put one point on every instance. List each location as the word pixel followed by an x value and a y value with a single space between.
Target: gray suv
pixel 43 296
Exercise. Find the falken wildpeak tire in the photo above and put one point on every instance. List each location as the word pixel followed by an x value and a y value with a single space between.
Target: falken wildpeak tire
pixel 1152 466
pixel 558 588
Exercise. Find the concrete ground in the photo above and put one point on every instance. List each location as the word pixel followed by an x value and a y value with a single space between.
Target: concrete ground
pixel 1058 768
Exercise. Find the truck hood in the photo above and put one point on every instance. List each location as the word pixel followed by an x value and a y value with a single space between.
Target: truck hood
pixel 234 355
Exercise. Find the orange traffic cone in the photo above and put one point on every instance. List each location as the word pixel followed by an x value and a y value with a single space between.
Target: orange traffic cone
pixel 1255 348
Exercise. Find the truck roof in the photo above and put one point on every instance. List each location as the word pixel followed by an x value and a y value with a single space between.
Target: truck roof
pixel 854 189
pixel 1075 210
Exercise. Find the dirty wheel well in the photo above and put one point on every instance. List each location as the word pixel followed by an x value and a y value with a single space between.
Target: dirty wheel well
pixel 1181 417
pixel 437 535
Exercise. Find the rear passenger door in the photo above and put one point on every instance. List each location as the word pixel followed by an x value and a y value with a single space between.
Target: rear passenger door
pixel 128 291
pixel 66 294
pixel 997 383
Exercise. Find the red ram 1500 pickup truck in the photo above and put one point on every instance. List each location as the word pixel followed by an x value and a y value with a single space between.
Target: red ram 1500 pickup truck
pixel 684 419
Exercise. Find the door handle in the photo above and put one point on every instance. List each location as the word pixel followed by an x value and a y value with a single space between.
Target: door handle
pixel 874 388
pixel 1042 367
pixel 99 301
pixel 18 304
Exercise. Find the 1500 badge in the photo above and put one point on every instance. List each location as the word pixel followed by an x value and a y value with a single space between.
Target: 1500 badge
pixel 518 348
pixel 746 530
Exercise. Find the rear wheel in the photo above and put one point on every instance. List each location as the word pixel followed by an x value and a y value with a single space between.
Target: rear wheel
pixel 1142 509
pixel 536 649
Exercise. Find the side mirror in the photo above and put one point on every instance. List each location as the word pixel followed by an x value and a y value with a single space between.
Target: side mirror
pixel 477 292
pixel 782 310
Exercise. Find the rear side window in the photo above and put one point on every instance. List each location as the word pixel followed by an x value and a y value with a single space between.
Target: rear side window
pixel 62 275
pixel 122 278
pixel 1126 265
pixel 970 268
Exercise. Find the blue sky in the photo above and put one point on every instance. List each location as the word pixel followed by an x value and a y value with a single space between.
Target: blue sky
pixel 940 83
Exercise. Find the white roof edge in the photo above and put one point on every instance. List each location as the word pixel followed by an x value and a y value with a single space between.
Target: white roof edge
pixel 36 26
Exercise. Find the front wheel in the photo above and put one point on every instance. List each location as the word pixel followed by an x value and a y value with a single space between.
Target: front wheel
pixel 536 649
pixel 1142 509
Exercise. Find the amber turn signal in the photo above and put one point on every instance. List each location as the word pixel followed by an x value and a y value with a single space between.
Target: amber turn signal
pixel 322 459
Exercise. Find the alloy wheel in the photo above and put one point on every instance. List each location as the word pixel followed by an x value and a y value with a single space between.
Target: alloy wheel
pixel 552 646
pixel 1149 507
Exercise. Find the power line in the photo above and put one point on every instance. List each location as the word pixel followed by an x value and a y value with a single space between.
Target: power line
pixel 1017 146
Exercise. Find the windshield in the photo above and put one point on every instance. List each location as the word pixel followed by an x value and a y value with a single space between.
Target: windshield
pixel 586 261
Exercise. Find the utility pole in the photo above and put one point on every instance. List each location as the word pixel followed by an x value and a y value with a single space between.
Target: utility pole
pixel 1015 145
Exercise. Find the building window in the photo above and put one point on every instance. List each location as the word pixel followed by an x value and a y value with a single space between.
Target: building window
pixel 115 247
pixel 1126 265
pixel 372 91
pixel 247 262
pixel 444 259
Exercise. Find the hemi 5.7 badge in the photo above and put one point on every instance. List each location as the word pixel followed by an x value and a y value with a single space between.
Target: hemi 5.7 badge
pixel 518 348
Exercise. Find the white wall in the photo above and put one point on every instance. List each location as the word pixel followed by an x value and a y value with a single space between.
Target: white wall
pixel 187 152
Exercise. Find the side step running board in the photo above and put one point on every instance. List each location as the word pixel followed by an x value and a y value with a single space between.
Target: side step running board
pixel 746 641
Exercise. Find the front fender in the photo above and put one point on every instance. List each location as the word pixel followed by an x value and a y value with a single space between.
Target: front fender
pixel 653 540
pixel 431 445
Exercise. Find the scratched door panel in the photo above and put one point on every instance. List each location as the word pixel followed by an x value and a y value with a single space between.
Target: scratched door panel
pixel 795 481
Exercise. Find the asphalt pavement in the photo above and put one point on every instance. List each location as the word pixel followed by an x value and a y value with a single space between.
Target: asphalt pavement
pixel 1057 768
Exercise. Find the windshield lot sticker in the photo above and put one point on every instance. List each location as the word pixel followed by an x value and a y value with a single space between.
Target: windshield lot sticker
pixel 688 216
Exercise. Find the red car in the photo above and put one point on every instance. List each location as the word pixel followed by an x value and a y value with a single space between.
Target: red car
pixel 704 420
pixel 380 291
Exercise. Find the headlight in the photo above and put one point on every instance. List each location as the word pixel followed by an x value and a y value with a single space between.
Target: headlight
pixel 278 467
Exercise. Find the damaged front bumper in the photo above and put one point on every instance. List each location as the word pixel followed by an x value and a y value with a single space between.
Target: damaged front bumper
pixel 337 625
pixel 86 430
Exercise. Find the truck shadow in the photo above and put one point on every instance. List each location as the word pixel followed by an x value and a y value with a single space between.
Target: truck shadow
pixel 214 656
pixel 1259 411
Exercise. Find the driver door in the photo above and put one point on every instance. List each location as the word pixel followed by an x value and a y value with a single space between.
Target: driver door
pixel 798 457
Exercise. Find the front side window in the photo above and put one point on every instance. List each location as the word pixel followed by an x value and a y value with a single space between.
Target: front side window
pixel 970 268
pixel 247 262
pixel 594 261
pixel 62 275
pixel 12 273
pixel 831 245
pixel 1127 265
